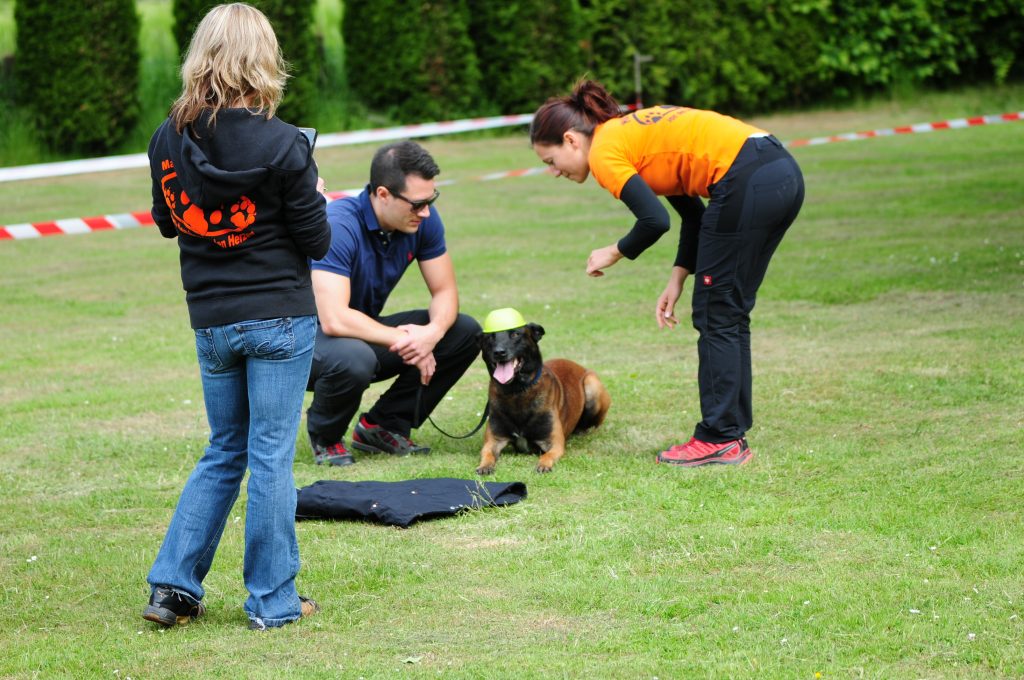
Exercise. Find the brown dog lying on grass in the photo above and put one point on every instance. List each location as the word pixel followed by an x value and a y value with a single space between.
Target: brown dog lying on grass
pixel 534 405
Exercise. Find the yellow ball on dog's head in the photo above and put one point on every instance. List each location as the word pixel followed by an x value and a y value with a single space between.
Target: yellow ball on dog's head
pixel 503 319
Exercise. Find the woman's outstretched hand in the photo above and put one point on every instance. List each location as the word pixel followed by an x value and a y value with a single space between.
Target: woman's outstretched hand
pixel 602 258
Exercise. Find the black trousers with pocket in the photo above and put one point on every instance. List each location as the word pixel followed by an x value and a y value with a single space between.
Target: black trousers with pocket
pixel 748 213
pixel 344 367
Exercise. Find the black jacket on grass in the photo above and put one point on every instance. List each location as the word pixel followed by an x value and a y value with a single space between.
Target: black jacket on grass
pixel 402 503
pixel 241 198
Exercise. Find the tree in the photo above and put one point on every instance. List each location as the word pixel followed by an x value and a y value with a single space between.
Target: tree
pixel 528 50
pixel 412 60
pixel 77 71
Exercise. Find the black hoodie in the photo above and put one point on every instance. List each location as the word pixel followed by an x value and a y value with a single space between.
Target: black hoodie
pixel 241 198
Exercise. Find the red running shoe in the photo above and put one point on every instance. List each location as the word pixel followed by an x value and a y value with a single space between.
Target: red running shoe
pixel 695 452
pixel 332 454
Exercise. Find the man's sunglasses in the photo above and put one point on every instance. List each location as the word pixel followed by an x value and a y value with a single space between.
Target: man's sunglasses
pixel 418 206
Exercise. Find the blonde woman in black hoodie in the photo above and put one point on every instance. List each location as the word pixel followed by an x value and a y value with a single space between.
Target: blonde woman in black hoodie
pixel 238 189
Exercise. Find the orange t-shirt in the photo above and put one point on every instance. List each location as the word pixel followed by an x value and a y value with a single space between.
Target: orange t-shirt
pixel 676 150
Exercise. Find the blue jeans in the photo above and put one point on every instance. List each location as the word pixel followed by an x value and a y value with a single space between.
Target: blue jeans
pixel 254 377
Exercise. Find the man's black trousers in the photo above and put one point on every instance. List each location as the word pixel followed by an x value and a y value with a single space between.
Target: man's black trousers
pixel 344 367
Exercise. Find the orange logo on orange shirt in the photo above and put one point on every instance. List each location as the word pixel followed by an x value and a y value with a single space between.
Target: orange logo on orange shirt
pixel 654 114
pixel 226 230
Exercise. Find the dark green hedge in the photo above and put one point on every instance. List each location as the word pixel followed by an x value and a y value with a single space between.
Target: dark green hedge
pixel 77 64
pixel 293 24
pixel 77 71
pixel 188 13
pixel 412 60
pixel 760 55
pixel 527 50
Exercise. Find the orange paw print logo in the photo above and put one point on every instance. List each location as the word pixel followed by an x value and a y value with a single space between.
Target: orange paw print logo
pixel 652 115
pixel 227 231
pixel 243 213
pixel 168 197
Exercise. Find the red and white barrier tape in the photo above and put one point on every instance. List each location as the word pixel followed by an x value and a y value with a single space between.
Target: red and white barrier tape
pixel 138 219
pixel 83 225
pixel 954 124
pixel 76 225
pixel 140 160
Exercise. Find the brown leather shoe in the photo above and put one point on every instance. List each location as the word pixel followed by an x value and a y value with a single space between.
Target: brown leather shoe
pixel 307 607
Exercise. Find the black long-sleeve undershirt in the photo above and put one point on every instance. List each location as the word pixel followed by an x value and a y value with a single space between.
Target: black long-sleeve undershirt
pixel 691 211
pixel 652 221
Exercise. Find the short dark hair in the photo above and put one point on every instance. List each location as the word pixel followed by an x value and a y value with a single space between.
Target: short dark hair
pixel 394 162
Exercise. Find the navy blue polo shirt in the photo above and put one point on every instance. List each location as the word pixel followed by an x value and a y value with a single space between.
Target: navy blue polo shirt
pixel 372 263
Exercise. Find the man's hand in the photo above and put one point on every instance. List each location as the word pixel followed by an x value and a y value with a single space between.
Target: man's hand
pixel 427 367
pixel 602 258
pixel 416 344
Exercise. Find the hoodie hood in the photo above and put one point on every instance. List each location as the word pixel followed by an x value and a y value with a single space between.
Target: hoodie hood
pixel 207 185
pixel 210 183
pixel 241 199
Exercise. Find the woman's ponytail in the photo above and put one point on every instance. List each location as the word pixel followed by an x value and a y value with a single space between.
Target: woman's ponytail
pixel 587 106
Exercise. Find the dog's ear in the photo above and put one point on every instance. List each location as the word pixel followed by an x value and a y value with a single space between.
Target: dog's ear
pixel 480 339
pixel 536 331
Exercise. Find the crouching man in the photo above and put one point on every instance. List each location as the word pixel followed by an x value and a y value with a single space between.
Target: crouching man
pixel 375 237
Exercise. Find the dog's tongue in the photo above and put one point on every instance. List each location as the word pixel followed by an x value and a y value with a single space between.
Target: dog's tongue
pixel 504 372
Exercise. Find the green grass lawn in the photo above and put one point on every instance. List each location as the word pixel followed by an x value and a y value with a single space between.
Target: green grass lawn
pixel 877 532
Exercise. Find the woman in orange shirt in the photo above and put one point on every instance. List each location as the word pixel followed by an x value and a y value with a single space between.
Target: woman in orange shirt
pixel 755 190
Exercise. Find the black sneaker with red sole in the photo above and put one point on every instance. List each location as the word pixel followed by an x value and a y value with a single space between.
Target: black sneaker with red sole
pixel 375 439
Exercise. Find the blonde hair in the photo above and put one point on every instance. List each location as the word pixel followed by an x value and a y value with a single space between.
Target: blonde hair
pixel 233 60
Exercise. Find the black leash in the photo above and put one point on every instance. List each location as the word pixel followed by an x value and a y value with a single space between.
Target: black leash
pixel 416 417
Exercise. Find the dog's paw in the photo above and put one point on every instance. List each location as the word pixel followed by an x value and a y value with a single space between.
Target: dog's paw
pixel 485 470
pixel 542 468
